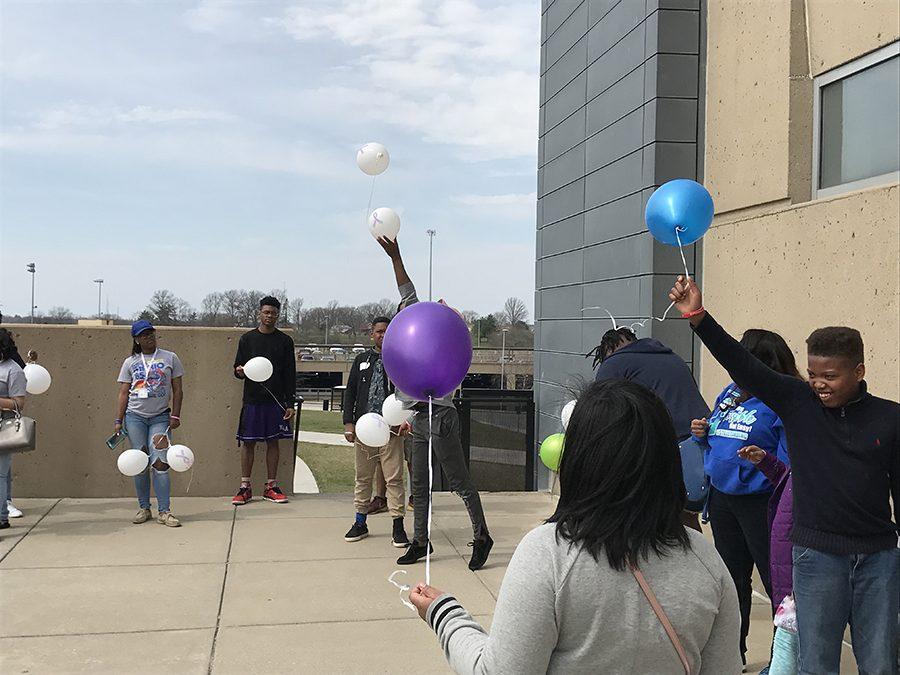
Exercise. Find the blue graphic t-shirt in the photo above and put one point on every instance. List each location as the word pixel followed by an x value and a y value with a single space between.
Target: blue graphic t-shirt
pixel 732 426
pixel 150 391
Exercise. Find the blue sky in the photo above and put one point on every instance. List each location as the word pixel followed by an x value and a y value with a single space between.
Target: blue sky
pixel 199 146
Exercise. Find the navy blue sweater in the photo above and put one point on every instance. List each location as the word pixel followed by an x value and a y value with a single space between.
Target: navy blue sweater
pixel 650 363
pixel 845 461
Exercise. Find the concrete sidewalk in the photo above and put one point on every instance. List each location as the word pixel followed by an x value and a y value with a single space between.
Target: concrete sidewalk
pixel 259 588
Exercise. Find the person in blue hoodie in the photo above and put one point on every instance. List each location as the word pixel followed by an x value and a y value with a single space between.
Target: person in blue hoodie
pixel 621 356
pixel 739 492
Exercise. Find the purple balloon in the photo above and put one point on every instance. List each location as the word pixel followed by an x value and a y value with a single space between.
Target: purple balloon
pixel 427 350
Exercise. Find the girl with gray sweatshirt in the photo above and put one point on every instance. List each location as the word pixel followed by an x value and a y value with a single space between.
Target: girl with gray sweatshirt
pixel 570 602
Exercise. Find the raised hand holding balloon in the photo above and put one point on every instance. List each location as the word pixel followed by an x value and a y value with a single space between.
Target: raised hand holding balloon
pixel 678 214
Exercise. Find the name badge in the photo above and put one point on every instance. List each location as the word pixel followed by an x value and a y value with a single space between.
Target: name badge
pixel 364 365
pixel 143 393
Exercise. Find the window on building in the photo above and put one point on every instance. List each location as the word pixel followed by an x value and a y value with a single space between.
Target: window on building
pixel 857 123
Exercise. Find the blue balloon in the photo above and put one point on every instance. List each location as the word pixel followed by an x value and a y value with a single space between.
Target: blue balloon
pixel 680 204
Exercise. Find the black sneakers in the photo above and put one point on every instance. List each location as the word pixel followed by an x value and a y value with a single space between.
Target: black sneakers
pixel 399 538
pixel 481 549
pixel 414 553
pixel 357 532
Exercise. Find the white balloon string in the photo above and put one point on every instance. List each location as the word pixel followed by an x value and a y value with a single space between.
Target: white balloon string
pixel 430 498
pixel 283 409
pixel 642 322
pixel 403 588
pixel 371 196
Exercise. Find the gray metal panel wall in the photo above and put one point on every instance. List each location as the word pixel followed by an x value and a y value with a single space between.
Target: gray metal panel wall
pixel 619 115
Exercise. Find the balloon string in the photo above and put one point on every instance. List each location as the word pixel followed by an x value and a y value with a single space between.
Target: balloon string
pixel 642 322
pixel 371 196
pixel 430 498
pixel 283 409
pixel 403 588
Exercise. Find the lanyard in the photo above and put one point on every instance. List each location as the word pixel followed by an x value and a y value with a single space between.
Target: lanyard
pixel 147 367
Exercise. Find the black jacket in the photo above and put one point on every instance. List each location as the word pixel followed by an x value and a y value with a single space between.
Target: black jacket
pixel 845 461
pixel 652 364
pixel 356 398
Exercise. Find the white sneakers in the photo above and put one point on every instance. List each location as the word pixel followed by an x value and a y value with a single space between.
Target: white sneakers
pixel 13 511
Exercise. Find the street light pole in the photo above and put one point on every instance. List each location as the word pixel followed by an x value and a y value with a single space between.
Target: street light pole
pixel 430 234
pixel 99 283
pixel 326 331
pixel 503 360
pixel 31 270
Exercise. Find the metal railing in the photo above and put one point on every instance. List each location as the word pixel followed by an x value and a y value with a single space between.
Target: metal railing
pixel 497 434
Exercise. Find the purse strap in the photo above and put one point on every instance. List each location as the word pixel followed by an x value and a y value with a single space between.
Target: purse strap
pixel 663 619
pixel 16 411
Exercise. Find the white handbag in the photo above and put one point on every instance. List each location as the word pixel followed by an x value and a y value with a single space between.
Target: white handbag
pixel 17 432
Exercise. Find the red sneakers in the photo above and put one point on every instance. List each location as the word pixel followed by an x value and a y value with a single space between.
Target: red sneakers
pixel 273 494
pixel 243 496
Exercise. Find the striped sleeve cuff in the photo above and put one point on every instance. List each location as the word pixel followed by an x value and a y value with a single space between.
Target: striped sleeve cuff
pixel 439 610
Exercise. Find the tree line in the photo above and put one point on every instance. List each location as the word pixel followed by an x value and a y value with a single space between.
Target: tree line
pixel 332 323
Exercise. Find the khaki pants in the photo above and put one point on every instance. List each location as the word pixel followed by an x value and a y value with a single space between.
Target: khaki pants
pixel 390 458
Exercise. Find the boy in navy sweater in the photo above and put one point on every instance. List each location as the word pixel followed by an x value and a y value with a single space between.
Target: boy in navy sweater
pixel 844 445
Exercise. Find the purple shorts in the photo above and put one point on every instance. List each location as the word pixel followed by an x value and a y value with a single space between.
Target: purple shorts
pixel 263 422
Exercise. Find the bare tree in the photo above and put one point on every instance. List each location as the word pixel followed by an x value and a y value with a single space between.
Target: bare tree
pixel 60 315
pixel 212 309
pixel 514 312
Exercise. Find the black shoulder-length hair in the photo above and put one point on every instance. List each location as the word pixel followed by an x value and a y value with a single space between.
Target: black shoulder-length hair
pixel 620 482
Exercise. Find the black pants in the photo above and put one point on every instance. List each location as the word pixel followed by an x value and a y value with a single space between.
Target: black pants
pixel 449 454
pixel 740 529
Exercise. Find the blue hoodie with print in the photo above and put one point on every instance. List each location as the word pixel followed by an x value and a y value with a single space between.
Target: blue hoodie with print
pixel 731 427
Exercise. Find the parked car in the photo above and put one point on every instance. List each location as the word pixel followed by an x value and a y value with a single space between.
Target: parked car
pixel 307 357
pixel 328 357
pixel 337 350
pixel 358 349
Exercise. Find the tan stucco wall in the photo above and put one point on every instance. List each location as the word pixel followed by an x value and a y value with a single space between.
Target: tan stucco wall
pixel 76 415
pixel 747 101
pixel 842 30
pixel 824 263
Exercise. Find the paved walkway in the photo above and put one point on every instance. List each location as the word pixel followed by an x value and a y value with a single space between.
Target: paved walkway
pixel 255 589
pixel 323 438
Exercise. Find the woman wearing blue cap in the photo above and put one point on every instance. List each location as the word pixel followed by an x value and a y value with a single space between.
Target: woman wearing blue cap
pixel 149 378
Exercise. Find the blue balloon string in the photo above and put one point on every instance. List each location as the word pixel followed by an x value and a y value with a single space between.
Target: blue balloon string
pixel 643 322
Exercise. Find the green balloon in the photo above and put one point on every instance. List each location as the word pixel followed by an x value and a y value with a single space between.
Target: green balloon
pixel 551 451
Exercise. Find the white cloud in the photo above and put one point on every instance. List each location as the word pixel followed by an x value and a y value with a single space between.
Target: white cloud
pixel 453 71
pixel 511 206
pixel 82 116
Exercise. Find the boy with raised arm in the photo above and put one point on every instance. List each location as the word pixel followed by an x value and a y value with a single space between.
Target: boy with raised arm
pixel 844 445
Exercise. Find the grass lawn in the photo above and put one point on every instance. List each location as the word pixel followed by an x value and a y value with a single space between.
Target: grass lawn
pixel 332 465
pixel 321 420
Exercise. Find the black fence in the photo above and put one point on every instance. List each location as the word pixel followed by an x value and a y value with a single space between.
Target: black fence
pixel 497 430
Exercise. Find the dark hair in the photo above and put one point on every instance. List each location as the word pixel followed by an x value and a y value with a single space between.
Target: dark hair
pixel 621 488
pixel 611 340
pixel 836 341
pixel 380 319
pixel 271 302
pixel 771 349
pixel 7 344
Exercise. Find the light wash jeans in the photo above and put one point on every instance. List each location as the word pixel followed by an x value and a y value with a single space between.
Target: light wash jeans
pixel 141 431
pixel 5 484
pixel 833 590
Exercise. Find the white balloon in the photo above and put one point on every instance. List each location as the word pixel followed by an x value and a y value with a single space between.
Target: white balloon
pixel 384 222
pixel 38 379
pixel 372 430
pixel 373 159
pixel 132 462
pixel 393 411
pixel 566 413
pixel 258 369
pixel 180 457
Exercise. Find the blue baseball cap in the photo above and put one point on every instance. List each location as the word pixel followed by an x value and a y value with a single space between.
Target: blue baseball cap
pixel 139 327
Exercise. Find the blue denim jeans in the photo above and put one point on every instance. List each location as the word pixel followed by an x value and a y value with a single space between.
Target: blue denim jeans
pixel 5 484
pixel 834 590
pixel 141 431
